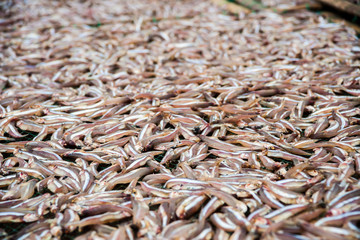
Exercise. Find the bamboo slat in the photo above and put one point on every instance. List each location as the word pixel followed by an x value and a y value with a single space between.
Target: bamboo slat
pixel 231 7
pixel 252 4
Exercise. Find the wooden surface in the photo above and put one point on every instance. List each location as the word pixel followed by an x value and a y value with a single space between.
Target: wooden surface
pixel 236 8
pixel 343 6
pixel 334 18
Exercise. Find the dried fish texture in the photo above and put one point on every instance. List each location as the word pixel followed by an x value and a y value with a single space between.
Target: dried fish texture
pixel 160 119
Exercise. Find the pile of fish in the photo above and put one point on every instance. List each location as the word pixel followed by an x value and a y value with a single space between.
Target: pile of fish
pixel 164 119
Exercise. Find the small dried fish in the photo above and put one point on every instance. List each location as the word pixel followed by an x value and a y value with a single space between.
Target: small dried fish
pixel 150 120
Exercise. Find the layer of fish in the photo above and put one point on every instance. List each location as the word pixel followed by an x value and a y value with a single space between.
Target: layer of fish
pixel 173 120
